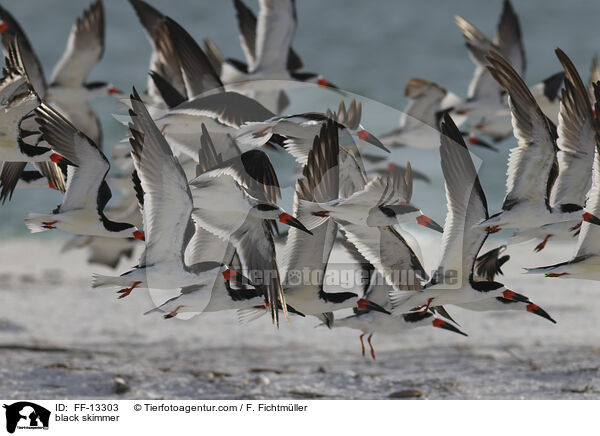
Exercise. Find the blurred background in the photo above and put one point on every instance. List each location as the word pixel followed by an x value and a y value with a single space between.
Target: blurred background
pixel 367 48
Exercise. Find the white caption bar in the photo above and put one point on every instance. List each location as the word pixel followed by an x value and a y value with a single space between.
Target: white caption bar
pixel 290 417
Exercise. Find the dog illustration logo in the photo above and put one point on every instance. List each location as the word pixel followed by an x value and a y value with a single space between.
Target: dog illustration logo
pixel 26 415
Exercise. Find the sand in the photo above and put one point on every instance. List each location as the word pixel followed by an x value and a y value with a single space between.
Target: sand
pixel 60 339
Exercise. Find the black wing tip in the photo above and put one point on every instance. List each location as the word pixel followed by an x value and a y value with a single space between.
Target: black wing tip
pixel 134 95
pixel 93 16
pixel 451 131
pixel 570 74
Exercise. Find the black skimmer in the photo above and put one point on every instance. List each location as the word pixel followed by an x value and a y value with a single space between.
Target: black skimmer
pixel 311 253
pixel 204 245
pixel 67 88
pixel 109 251
pixel 454 281
pixel 236 201
pixel 486 102
pixel 487 266
pixel 585 264
pixel 370 321
pixel 235 72
pixel 533 165
pixel 576 146
pixel 420 119
pixel 298 131
pixel 167 203
pixel 82 209
pixel 484 92
pixel 377 291
pixel 384 247
pixel 384 201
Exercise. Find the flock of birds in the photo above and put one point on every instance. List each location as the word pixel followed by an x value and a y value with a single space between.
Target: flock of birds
pixel 197 186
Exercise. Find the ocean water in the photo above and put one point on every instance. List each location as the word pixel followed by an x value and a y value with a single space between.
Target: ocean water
pixel 367 48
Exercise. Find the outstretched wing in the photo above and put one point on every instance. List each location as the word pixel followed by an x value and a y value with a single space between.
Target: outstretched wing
pixel 90 166
pixel 466 204
pixel 575 139
pixel 275 31
pixel 167 197
pixel 530 163
pixel 85 47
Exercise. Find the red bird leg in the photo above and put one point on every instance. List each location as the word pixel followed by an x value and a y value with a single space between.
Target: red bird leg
pixel 424 307
pixel 362 344
pixel 173 313
pixel 371 345
pixel 49 224
pixel 539 247
pixel 126 291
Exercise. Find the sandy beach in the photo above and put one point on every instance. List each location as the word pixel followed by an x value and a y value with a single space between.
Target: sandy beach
pixel 60 339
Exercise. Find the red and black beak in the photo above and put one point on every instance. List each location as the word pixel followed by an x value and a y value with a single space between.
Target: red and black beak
pixel 365 304
pixel 324 83
pixel 588 217
pixel 114 91
pixel 366 136
pixel 513 296
pixel 58 159
pixel 286 218
pixel 440 323
pixel 429 223
pixel 534 308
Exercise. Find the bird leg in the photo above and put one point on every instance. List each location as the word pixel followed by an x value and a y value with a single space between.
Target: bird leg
pixel 576 226
pixel 126 291
pixel 493 229
pixel 49 224
pixel 362 344
pixel 163 128
pixel 556 274
pixel 542 244
pixel 172 313
pixel 371 345
pixel 424 307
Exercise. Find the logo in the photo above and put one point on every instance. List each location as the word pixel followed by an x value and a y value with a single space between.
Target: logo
pixel 26 415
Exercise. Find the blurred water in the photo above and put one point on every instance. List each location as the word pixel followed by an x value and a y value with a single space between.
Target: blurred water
pixel 369 48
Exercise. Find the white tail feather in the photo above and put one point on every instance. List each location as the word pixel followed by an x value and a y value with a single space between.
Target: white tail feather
pixel 247 315
pixel 102 281
pixel 34 221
